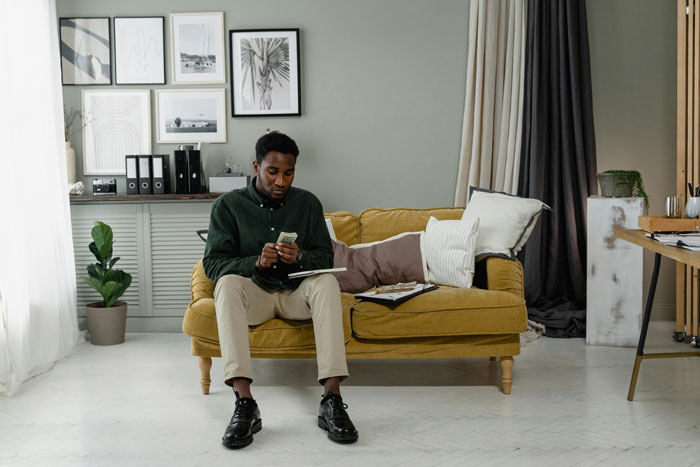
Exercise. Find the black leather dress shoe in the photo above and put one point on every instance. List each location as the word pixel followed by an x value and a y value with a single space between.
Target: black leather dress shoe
pixel 245 422
pixel 333 418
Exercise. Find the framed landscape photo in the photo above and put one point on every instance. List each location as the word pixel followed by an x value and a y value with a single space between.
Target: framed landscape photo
pixel 118 123
pixel 197 45
pixel 265 72
pixel 85 51
pixel 138 50
pixel 191 115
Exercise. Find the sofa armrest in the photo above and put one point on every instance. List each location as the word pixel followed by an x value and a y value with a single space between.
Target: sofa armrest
pixel 505 275
pixel 200 286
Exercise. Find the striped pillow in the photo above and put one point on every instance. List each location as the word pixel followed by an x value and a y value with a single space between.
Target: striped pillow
pixel 449 248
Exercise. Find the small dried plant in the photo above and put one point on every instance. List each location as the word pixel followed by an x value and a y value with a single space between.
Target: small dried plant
pixel 73 122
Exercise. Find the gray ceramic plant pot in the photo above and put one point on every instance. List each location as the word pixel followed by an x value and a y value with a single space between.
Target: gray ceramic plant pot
pixel 610 187
pixel 106 325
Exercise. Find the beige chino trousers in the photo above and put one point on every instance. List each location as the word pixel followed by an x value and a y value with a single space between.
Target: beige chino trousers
pixel 240 303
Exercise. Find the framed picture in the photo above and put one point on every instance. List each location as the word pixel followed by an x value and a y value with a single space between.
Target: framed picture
pixel 119 123
pixel 138 50
pixel 265 72
pixel 191 115
pixel 85 51
pixel 197 45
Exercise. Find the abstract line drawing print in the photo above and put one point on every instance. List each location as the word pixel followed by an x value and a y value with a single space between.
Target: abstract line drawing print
pixel 138 50
pixel 85 51
pixel 120 125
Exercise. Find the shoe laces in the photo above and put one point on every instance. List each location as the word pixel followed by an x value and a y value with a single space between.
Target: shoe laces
pixel 337 400
pixel 242 407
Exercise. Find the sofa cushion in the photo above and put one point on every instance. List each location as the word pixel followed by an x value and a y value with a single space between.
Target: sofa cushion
pixel 449 251
pixel 378 224
pixel 505 221
pixel 346 226
pixel 281 334
pixel 447 311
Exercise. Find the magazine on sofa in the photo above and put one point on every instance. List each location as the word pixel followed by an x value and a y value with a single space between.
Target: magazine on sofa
pixel 314 272
pixel 395 297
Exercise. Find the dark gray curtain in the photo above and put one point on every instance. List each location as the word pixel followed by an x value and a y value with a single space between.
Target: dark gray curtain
pixel 558 164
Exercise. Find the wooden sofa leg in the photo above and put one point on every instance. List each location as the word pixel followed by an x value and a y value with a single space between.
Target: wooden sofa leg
pixel 507 370
pixel 204 368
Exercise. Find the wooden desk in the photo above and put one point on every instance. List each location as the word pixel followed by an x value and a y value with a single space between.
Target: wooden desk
pixel 692 258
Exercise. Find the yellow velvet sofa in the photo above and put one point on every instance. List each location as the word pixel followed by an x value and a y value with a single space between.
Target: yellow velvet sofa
pixel 483 321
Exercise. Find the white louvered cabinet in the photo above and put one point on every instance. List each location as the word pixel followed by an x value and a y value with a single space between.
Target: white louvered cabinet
pixel 158 246
pixel 174 250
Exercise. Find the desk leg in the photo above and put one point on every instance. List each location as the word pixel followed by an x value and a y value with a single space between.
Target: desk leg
pixel 645 326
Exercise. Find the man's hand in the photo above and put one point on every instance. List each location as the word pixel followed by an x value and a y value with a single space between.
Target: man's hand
pixel 287 252
pixel 268 257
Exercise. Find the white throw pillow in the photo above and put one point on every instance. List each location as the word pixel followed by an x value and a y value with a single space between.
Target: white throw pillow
pixel 505 221
pixel 448 248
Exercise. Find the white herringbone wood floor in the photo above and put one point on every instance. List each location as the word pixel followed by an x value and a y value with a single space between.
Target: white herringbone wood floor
pixel 139 404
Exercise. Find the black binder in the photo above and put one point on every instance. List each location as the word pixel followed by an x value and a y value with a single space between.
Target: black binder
pixel 194 164
pixel 132 175
pixel 145 175
pixel 182 182
pixel 161 173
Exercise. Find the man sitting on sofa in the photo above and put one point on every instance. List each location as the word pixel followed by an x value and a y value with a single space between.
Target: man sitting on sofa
pixel 250 268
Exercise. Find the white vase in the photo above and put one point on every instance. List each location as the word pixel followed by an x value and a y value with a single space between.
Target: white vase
pixel 692 207
pixel 70 162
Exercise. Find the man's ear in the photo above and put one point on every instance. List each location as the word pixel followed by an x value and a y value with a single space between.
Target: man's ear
pixel 256 167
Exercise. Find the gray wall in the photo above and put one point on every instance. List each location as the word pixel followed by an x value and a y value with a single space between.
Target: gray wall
pixel 633 61
pixel 382 94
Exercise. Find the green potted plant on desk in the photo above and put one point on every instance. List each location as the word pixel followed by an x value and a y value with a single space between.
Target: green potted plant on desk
pixel 106 319
pixel 623 184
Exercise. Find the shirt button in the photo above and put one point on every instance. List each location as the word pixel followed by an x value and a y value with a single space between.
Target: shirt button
pixel 261 205
pixel 272 228
pixel 271 209
pixel 274 266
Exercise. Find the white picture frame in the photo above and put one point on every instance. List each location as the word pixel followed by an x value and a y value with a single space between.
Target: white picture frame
pixel 86 51
pixel 259 91
pixel 191 115
pixel 139 55
pixel 197 48
pixel 118 124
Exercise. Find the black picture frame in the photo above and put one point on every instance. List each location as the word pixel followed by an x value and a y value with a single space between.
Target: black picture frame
pixel 146 50
pixel 94 51
pixel 251 92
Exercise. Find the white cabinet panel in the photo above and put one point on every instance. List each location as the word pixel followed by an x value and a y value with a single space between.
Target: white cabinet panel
pixel 158 245
pixel 123 219
pixel 174 250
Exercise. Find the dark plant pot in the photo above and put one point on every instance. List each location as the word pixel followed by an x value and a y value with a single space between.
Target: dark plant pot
pixel 106 325
pixel 615 186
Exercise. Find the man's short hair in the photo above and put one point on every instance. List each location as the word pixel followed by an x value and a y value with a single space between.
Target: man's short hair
pixel 275 141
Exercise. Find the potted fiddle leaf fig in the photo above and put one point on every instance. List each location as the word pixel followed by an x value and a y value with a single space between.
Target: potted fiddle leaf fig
pixel 106 319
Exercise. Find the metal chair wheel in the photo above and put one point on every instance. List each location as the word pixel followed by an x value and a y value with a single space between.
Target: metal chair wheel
pixel 678 336
pixel 695 342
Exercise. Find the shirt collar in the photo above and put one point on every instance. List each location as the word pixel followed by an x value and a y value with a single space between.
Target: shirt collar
pixel 262 200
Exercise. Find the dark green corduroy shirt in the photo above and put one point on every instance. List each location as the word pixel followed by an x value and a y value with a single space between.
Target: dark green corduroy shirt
pixel 242 221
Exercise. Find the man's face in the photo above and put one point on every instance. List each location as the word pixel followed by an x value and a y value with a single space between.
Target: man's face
pixel 275 174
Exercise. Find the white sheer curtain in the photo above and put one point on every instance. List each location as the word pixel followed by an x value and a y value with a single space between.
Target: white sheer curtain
pixel 493 108
pixel 37 272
